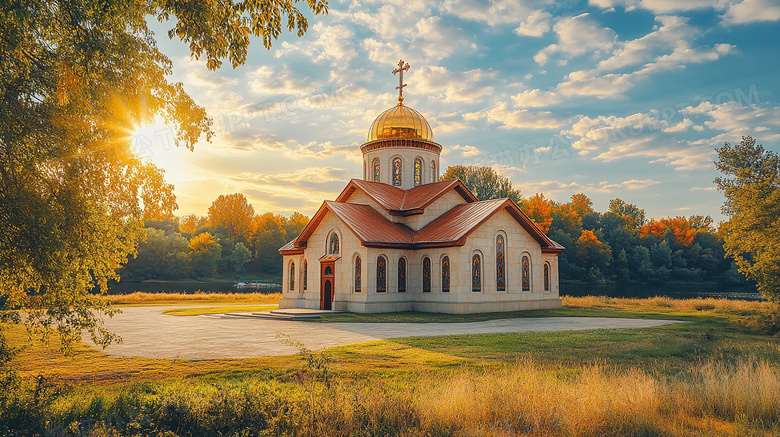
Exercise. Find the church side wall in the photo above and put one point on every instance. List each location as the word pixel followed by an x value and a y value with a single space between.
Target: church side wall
pixel 461 298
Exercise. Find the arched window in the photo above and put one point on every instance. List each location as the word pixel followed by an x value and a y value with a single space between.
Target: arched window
pixel 546 276
pixel 376 170
pixel 396 171
pixel 433 171
pixel 357 274
pixel 418 164
pixel 402 275
pixel 364 170
pixel 445 274
pixel 500 264
pixel 526 273
pixel 292 276
pixel 333 245
pixel 426 279
pixel 305 274
pixel 328 270
pixel 476 273
pixel 381 274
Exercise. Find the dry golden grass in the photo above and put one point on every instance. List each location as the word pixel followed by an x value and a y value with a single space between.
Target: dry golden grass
pixel 140 298
pixel 665 304
pixel 527 399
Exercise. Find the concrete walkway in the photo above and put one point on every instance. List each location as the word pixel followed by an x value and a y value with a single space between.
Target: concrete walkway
pixel 146 332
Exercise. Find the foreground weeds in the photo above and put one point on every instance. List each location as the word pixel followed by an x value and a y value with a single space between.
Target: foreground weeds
pixel 523 398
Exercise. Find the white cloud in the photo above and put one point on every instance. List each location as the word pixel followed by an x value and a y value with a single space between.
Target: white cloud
pixel 570 32
pixel 749 11
pixel 660 6
pixel 465 151
pixel 537 24
pixel 535 99
pixel 267 80
pixel 438 40
pixel 468 86
pixel 334 43
pixel 680 127
pixel 490 12
pixel 518 119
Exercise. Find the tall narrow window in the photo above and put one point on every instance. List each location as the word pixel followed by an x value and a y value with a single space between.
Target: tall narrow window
pixel 417 171
pixel 381 274
pixel 445 274
pixel 305 275
pixel 500 267
pixel 402 275
pixel 546 277
pixel 426 275
pixel 333 246
pixel 433 171
pixel 476 273
pixel 376 170
pixel 526 274
pixel 357 274
pixel 396 171
pixel 292 276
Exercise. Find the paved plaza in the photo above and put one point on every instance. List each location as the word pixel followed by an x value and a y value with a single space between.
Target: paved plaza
pixel 147 332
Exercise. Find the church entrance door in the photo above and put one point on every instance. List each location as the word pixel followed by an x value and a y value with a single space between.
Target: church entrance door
pixel 326 285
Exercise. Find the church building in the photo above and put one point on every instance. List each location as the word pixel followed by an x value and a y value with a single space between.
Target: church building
pixel 398 239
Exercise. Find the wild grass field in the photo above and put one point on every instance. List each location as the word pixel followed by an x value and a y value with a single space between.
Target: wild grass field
pixel 716 375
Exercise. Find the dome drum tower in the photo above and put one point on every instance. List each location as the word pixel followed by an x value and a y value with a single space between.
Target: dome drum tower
pixel 400 150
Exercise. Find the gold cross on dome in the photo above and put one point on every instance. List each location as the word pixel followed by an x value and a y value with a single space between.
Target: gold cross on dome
pixel 402 66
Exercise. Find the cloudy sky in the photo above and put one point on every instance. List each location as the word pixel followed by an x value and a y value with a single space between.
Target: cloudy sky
pixel 612 98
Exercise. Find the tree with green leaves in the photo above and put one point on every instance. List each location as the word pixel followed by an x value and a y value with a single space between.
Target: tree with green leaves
pixel 77 78
pixel 752 234
pixel 484 182
pixel 240 256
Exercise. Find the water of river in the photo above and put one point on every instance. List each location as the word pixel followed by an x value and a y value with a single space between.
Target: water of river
pixel 184 287
pixel 678 291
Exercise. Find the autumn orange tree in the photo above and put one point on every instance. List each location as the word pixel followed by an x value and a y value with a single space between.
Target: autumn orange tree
pixel 77 77
pixel 232 215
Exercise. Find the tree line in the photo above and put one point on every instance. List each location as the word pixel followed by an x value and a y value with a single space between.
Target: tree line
pixel 620 244
pixel 231 239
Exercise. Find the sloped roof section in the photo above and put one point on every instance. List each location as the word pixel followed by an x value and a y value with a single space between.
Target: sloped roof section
pixel 454 225
pixel 401 202
pixel 450 229
pixel 371 227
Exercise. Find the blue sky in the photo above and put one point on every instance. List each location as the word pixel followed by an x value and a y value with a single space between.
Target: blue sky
pixel 611 98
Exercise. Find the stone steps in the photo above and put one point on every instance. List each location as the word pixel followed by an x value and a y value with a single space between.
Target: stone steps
pixel 285 314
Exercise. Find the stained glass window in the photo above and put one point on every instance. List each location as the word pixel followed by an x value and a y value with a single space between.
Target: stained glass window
pixel 445 274
pixel 292 276
pixel 402 275
pixel 333 246
pixel 376 170
pixel 357 274
pixel 500 267
pixel 397 171
pixel 426 275
pixel 305 274
pixel 381 274
pixel 526 274
pixel 476 273
pixel 417 172
pixel 546 277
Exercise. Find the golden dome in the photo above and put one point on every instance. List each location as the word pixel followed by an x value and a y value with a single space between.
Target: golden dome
pixel 400 122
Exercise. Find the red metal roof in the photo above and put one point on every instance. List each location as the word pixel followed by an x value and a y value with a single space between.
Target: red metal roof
pixel 450 229
pixel 405 202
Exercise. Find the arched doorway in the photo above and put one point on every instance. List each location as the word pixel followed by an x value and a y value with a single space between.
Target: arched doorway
pixel 327 295
pixel 327 285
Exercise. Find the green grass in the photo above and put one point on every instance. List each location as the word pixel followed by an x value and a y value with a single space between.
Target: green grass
pixel 712 375
pixel 219 310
